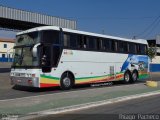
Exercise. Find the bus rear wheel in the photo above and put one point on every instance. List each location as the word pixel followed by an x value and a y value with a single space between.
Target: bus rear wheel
pixel 134 76
pixel 66 81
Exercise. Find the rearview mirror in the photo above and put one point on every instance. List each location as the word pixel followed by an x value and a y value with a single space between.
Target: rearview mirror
pixel 34 50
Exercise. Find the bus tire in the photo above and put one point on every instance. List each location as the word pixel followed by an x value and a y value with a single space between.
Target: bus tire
pixel 134 76
pixel 66 81
pixel 127 77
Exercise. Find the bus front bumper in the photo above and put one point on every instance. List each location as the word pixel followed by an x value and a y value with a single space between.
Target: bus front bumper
pixel 25 81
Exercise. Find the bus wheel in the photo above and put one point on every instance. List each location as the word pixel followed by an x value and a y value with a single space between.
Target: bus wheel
pixel 66 82
pixel 134 76
pixel 127 77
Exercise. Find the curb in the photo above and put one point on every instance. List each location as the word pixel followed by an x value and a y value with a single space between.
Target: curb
pixel 152 83
pixel 87 105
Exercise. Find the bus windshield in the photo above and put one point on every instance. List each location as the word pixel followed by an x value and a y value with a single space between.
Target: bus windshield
pixel 23 57
pixel 23 50
pixel 27 39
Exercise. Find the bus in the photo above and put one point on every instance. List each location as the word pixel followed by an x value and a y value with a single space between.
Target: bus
pixel 51 56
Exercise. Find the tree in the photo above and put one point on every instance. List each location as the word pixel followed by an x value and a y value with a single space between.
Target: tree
pixel 151 52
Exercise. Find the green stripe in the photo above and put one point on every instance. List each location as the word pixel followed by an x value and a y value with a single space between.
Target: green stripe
pixel 143 76
pixel 90 77
pixel 49 77
pixel 109 75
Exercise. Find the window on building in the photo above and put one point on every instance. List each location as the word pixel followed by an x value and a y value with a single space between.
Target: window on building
pixel 5 45
pixel 3 55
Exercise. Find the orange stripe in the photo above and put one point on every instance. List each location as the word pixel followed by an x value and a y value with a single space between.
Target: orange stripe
pixel 43 85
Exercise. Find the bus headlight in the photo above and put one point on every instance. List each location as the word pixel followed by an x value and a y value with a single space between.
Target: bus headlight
pixel 33 75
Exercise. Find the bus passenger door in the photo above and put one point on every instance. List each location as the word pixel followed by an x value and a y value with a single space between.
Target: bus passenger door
pixel 56 52
pixel 46 58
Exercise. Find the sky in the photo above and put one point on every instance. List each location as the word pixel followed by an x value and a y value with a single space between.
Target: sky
pixel 123 18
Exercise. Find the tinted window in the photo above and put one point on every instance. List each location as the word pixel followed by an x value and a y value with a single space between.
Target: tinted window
pixel 132 48
pixel 99 44
pixel 91 42
pixel 137 49
pixel 121 46
pixel 82 41
pixel 143 49
pixel 107 44
pixel 56 54
pixel 114 46
pixel 73 40
pixel 126 47
pixel 50 36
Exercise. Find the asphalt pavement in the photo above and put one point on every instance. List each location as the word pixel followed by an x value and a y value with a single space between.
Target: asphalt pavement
pixel 24 101
pixel 139 109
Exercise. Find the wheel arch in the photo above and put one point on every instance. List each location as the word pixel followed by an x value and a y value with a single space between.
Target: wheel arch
pixel 128 71
pixel 135 70
pixel 71 73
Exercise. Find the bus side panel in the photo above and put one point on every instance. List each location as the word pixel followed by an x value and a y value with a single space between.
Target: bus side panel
pixel 93 67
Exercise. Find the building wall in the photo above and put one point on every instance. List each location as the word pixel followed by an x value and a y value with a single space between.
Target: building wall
pixel 156 60
pixel 6 51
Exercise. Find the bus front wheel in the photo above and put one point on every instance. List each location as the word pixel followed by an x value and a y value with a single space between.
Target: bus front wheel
pixel 66 82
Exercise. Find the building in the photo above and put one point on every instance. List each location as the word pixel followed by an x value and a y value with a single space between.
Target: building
pixel 6 49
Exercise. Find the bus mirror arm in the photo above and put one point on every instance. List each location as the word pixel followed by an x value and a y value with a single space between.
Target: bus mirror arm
pixel 34 50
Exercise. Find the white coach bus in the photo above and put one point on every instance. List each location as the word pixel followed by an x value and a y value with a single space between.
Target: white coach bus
pixel 51 56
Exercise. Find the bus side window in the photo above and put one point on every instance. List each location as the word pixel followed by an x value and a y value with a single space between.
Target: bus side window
pixel 51 36
pixel 121 46
pixel 82 42
pixel 91 43
pixel 114 45
pixel 132 48
pixel 138 51
pixel 143 49
pixel 99 45
pixel 107 45
pixel 79 41
pixel 103 44
pixel 66 40
pixel 85 42
pixel 73 40
pixel 126 48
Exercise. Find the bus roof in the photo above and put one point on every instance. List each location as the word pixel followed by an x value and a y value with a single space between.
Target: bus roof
pixel 143 41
